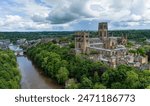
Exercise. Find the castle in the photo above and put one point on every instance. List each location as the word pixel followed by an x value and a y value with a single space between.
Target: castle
pixel 110 50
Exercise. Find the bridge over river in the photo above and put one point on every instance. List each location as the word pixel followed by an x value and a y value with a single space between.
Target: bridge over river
pixel 16 48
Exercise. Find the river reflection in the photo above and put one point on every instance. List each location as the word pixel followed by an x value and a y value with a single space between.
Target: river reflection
pixel 32 77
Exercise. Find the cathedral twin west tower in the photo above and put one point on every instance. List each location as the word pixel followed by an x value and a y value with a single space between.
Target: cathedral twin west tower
pixel 110 50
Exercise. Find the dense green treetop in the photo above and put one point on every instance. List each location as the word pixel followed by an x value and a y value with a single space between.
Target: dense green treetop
pixel 9 73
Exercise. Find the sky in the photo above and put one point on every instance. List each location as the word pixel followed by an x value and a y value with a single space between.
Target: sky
pixel 72 15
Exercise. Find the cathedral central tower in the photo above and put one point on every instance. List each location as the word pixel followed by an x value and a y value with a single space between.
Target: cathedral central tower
pixel 103 30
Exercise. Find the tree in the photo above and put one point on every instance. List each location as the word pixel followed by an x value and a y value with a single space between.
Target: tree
pixel 71 84
pixel 86 83
pixel 62 75
pixel 105 78
pixel 114 75
pixel 96 77
pixel 148 87
pixel 99 86
pixel 129 44
pixel 132 80
pixel 72 45
pixel 116 85
pixel 144 78
pixel 9 74
pixel 3 84
pixel 141 51
pixel 121 77
pixel 133 51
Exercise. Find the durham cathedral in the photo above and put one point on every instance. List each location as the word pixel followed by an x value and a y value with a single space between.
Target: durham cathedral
pixel 109 49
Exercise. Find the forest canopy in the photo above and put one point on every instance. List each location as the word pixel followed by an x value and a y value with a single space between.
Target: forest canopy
pixel 137 35
pixel 9 74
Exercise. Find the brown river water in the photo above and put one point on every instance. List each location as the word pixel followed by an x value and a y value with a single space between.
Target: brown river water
pixel 32 77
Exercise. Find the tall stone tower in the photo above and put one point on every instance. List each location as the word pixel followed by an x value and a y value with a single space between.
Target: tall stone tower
pixel 81 42
pixel 103 30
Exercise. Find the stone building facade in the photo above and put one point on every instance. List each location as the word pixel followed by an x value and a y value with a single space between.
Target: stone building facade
pixel 110 50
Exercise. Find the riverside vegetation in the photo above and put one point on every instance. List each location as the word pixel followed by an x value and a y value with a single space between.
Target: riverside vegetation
pixel 9 73
pixel 72 71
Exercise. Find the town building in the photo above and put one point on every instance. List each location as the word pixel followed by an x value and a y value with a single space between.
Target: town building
pixel 4 44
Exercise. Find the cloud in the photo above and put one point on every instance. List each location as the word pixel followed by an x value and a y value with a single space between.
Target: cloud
pixel 127 13
pixel 61 16
pixel 73 14
pixel 136 17
pixel 14 22
pixel 31 7
pixel 107 10
pixel 71 11
pixel 39 18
